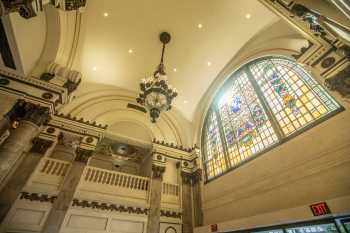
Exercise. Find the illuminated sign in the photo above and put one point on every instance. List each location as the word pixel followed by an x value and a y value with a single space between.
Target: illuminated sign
pixel 320 209
pixel 214 228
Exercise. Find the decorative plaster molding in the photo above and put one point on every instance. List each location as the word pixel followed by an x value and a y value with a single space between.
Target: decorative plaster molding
pixel 81 120
pixel 173 146
pixel 62 76
pixel 157 171
pixel 340 82
pixel 80 127
pixel 328 50
pixel 23 7
pixel 69 5
pixel 83 155
pixel 37 197
pixel 170 214
pixel 33 89
pixel 36 114
pixel 40 145
pixel 110 207
pixel 191 178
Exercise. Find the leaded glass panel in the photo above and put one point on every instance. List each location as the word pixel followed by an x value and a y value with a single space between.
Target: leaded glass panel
pixel 262 104
pixel 295 99
pixel 215 161
pixel 246 126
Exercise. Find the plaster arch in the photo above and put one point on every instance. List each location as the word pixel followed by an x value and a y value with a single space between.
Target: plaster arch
pixel 263 44
pixel 108 105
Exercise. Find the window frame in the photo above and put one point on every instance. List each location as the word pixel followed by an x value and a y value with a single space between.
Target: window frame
pixel 281 136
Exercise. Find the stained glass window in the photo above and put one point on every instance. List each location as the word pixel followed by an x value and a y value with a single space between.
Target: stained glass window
pixel 262 103
pixel 215 161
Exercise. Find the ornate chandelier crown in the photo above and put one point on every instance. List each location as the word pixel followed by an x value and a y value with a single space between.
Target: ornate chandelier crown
pixel 155 92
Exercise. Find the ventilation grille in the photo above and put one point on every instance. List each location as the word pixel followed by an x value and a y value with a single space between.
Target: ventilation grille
pixel 137 107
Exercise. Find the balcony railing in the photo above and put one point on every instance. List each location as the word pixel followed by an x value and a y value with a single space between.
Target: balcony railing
pixel 111 183
pixel 170 195
pixel 48 175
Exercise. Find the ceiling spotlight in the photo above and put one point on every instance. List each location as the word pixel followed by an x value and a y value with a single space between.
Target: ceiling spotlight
pixel 130 51
pixel 94 68
pixel 185 101
pixel 174 69
pixel 248 16
pixel 209 63
pixel 200 25
pixel 105 14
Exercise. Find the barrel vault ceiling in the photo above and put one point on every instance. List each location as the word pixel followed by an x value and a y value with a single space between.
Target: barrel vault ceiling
pixel 119 43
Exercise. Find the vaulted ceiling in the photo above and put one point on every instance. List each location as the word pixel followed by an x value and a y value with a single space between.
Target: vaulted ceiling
pixel 119 42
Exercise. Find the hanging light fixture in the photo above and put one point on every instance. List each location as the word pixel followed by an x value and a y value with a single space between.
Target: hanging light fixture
pixel 155 92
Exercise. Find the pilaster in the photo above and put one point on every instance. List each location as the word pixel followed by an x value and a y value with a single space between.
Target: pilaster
pixel 66 149
pixel 158 169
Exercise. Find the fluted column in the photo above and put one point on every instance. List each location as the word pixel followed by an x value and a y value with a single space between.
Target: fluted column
pixel 20 139
pixel 155 199
pixel 187 207
pixel 66 148
pixel 14 186
pixel 197 200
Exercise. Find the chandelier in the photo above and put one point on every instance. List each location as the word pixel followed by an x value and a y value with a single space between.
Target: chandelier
pixel 155 92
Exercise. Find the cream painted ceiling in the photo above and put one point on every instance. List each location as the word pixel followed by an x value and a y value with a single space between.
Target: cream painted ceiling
pixel 103 53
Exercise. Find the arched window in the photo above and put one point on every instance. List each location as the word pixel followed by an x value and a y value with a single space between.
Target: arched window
pixel 261 105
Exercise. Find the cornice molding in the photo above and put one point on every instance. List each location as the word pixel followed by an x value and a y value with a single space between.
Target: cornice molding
pixel 77 127
pixel 173 146
pixel 81 120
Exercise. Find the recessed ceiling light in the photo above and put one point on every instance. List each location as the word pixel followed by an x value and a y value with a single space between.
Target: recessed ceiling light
pixel 130 51
pixel 94 68
pixel 174 69
pixel 209 63
pixel 105 14
pixel 185 101
pixel 200 25
pixel 248 16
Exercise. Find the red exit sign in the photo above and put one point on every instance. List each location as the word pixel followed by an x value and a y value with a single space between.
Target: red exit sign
pixel 214 228
pixel 319 209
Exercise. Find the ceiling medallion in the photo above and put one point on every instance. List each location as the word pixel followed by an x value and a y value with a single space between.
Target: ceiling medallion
pixel 156 94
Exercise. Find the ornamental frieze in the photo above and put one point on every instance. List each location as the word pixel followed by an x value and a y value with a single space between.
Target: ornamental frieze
pixel 170 214
pixel 109 207
pixel 37 197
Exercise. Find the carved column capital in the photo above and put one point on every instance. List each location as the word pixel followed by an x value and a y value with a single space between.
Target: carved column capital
pixel 69 5
pixel 157 171
pixel 17 111
pixel 23 7
pixel 197 176
pixel 186 177
pixel 191 178
pixel 71 78
pixel 83 155
pixel 40 145
pixel 340 82
pixel 68 140
pixel 36 114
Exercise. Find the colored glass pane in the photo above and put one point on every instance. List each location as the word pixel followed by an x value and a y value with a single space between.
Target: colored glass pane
pixel 246 126
pixel 215 163
pixel 264 102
